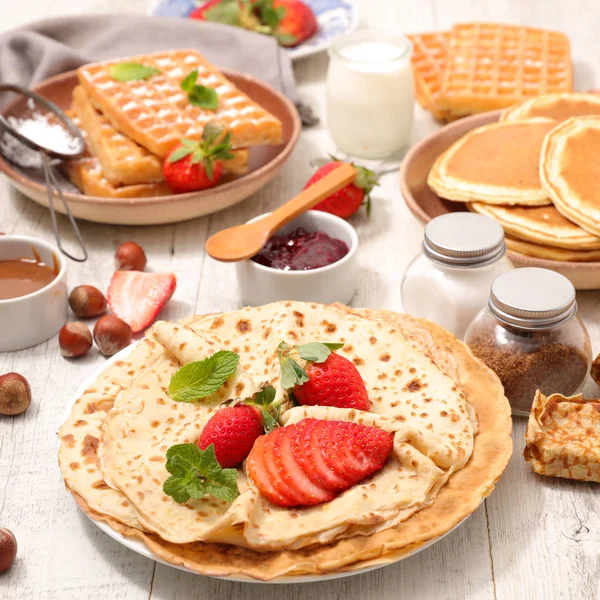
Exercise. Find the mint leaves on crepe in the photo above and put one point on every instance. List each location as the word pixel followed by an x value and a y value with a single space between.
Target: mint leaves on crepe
pixel 195 473
pixel 202 378
pixel 292 372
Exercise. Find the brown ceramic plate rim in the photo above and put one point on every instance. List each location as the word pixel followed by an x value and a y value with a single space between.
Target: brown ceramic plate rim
pixel 14 175
pixel 469 123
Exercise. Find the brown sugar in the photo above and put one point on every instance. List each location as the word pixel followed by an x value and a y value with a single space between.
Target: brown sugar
pixel 526 361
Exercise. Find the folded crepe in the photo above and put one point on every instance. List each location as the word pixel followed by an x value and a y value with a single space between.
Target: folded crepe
pixel 563 437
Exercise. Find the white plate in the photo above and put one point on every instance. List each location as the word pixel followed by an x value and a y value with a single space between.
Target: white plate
pixel 335 17
pixel 138 545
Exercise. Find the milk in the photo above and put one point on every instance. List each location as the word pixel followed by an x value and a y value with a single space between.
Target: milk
pixel 370 95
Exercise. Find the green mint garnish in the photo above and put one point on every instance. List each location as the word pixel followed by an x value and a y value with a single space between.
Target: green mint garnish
pixel 195 473
pixel 203 378
pixel 263 400
pixel 130 71
pixel 292 373
pixel 199 95
pixel 206 151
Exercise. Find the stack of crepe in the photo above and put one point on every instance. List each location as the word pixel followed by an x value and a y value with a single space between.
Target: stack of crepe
pixel 130 126
pixel 534 172
pixel 447 411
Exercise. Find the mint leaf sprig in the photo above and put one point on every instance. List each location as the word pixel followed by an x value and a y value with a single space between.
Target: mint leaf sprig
pixel 206 151
pixel 292 371
pixel 199 95
pixel 132 71
pixel 203 378
pixel 195 473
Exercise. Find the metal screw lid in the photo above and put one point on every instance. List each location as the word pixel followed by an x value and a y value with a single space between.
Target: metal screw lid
pixel 532 298
pixel 464 240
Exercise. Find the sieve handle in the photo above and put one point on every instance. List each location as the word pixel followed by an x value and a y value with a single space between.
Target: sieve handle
pixel 53 186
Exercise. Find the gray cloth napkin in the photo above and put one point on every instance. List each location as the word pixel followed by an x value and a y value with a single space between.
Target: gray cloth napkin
pixel 45 48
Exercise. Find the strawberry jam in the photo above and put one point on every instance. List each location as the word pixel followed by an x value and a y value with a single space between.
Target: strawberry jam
pixel 301 250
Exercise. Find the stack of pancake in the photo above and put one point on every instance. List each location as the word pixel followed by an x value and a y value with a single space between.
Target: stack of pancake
pixel 534 171
pixel 130 126
pixel 476 67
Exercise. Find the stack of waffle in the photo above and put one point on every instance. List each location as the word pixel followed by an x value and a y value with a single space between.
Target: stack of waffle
pixel 130 126
pixel 476 67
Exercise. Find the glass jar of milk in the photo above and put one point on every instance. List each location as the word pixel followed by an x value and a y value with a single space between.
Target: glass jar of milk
pixel 450 281
pixel 370 94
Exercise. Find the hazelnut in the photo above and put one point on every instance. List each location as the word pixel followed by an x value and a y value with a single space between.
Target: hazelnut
pixel 74 339
pixel 130 257
pixel 87 301
pixel 111 334
pixel 596 370
pixel 8 549
pixel 15 394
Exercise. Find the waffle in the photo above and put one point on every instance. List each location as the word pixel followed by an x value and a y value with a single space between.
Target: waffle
pixel 430 51
pixel 156 113
pixel 123 161
pixel 492 66
pixel 88 175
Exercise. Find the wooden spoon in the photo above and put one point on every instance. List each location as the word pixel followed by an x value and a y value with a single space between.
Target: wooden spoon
pixel 243 241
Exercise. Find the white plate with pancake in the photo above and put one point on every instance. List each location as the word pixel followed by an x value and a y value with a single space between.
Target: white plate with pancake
pixel 138 546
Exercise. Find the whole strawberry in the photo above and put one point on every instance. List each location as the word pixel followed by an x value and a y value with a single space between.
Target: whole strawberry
pixel 193 166
pixel 296 23
pixel 327 378
pixel 346 202
pixel 232 430
pixel 289 21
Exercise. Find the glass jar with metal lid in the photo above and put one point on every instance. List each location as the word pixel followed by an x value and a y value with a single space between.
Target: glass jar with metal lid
pixel 449 282
pixel 530 335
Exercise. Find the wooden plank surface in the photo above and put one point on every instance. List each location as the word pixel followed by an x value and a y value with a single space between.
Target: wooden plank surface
pixel 532 539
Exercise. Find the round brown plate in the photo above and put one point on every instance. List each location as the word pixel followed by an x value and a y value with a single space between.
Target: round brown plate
pixel 265 162
pixel 426 205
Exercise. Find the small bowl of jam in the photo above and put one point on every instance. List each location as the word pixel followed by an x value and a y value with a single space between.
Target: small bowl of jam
pixel 33 292
pixel 311 259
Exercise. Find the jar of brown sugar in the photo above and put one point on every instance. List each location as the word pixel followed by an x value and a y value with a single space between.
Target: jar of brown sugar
pixel 530 335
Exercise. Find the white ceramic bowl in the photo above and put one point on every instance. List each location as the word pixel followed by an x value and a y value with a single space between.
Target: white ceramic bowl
pixel 32 319
pixel 334 283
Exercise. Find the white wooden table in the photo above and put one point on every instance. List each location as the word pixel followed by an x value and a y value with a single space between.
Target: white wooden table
pixel 533 539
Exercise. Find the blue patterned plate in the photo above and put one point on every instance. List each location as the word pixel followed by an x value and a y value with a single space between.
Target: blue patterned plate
pixel 335 17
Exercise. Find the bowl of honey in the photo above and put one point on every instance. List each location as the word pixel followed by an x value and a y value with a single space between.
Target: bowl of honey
pixel 33 292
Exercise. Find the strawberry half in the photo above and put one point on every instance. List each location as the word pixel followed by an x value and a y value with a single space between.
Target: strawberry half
pixel 326 379
pixel 346 202
pixel 137 297
pixel 280 469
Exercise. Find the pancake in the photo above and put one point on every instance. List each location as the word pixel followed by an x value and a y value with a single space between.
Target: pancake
pixel 539 224
pixel 550 253
pixel 554 106
pixel 570 170
pixel 494 164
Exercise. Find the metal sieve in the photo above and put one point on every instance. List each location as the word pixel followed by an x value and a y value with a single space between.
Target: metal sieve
pixel 47 154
